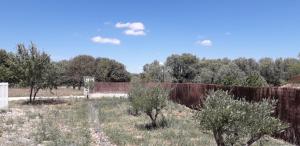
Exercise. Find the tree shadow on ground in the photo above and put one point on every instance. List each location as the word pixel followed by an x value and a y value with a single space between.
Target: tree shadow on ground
pixel 45 102
pixel 162 123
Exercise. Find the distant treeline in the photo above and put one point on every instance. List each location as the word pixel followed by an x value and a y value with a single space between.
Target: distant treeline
pixel 241 72
pixel 29 66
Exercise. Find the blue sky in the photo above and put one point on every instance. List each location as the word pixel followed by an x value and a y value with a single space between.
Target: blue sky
pixel 136 32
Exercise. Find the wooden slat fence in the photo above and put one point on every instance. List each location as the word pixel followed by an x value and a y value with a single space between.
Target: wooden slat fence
pixel 192 95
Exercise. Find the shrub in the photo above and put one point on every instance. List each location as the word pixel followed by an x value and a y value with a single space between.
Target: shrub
pixel 149 100
pixel 255 80
pixel 137 90
pixel 237 121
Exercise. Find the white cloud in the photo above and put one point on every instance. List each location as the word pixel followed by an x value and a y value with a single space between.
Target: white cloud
pixel 134 32
pixel 132 28
pixel 205 43
pixel 102 40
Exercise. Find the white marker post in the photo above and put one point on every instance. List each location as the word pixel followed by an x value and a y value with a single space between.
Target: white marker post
pixel 3 96
pixel 88 84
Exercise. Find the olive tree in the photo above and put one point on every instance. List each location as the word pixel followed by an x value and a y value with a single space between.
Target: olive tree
pixel 235 121
pixel 149 100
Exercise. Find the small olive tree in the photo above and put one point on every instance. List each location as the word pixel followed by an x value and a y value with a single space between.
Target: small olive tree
pixel 237 122
pixel 149 100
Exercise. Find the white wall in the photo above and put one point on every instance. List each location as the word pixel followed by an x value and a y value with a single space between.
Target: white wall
pixel 3 95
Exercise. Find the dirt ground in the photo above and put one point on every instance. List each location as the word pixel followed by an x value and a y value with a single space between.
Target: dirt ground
pixel 61 91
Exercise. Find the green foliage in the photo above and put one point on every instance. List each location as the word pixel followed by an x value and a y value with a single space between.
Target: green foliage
pixel 154 72
pixel 7 73
pixel 35 69
pixel 254 79
pixel 294 69
pixel 247 65
pixel 182 67
pixel 82 65
pixel 230 75
pixel 188 68
pixel 61 68
pixel 149 100
pixel 237 122
pixel 279 71
pixel 205 76
pixel 108 70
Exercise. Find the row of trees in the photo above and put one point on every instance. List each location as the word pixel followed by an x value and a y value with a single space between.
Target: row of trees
pixel 241 71
pixel 103 69
pixel 29 67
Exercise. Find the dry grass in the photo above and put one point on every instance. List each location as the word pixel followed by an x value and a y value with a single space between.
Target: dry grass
pixel 61 91
pixel 125 129
pixel 82 122
pixel 70 123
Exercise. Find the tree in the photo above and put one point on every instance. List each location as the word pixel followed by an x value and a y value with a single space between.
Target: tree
pixel 268 71
pixel 230 75
pixel 205 76
pixel 78 67
pixel 294 69
pixel 207 70
pixel 62 71
pixel 237 122
pixel 154 72
pixel 4 66
pixel 149 100
pixel 254 79
pixel 35 69
pixel 247 65
pixel 7 73
pixel 182 67
pixel 108 70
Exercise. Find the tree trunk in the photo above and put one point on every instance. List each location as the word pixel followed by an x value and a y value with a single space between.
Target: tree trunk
pixel 254 139
pixel 219 139
pixel 35 92
pixel 153 119
pixel 30 96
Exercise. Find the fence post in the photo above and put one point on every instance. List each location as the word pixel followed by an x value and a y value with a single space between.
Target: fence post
pixel 4 96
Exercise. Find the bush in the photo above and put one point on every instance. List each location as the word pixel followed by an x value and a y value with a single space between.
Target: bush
pixel 255 80
pixel 149 100
pixel 237 121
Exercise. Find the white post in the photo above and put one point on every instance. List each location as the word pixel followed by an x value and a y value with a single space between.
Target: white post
pixel 3 95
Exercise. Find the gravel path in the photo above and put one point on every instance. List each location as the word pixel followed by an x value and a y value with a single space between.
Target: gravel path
pixel 98 137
